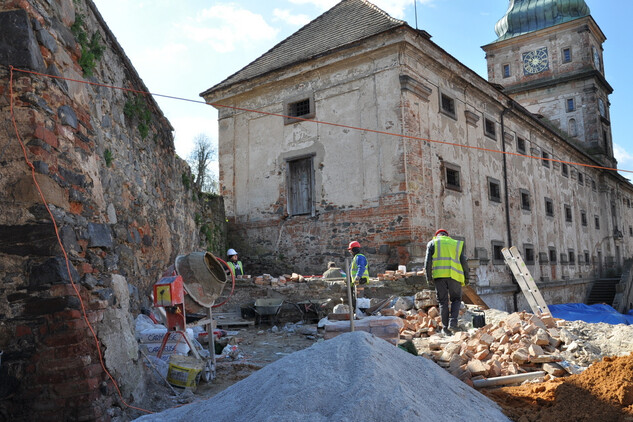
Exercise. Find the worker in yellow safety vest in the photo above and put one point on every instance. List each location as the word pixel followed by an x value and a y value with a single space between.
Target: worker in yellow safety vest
pixel 233 262
pixel 447 267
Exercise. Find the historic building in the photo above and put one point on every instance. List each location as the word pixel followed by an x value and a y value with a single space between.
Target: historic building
pixel 359 127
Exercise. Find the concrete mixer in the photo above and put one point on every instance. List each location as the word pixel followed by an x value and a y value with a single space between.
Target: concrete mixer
pixel 192 284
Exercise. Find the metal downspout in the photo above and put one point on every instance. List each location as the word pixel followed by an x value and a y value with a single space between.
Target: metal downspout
pixel 507 197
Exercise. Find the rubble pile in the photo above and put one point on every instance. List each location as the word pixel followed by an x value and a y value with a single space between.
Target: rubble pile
pixel 520 343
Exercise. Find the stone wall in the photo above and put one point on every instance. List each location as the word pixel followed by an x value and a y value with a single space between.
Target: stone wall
pixel 105 162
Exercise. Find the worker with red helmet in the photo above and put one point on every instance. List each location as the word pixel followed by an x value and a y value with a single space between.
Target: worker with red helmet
pixel 447 267
pixel 359 270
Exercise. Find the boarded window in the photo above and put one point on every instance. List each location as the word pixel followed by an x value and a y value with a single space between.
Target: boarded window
pixel 447 105
pixel 300 186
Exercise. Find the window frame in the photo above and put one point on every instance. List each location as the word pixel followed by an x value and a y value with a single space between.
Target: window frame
pixel 596 221
pixel 506 70
pixel 525 193
pixel 450 113
pixel 528 254
pixel 570 105
pixel 549 207
pixel 497 260
pixel 571 256
pixel 494 182
pixel 581 178
pixel 583 218
pixel 453 167
pixel 290 118
pixel 490 128
pixel 545 158
pixel 566 55
pixel 521 149
pixel 569 218
pixel 552 254
pixel 564 169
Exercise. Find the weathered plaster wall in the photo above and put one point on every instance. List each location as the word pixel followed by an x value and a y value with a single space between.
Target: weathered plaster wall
pixel 118 200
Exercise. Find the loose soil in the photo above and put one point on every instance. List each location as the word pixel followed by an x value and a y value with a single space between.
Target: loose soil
pixel 604 392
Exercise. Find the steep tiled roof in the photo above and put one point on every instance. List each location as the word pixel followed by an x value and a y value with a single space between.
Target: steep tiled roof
pixel 347 22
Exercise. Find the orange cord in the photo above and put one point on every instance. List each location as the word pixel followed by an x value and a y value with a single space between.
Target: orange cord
pixel 59 241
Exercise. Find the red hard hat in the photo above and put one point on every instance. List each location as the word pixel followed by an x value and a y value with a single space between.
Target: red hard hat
pixel 353 244
pixel 440 231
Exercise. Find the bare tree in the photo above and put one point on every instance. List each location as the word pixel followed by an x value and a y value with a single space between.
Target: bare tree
pixel 204 152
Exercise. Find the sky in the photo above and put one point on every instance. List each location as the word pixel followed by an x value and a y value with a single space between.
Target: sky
pixel 183 47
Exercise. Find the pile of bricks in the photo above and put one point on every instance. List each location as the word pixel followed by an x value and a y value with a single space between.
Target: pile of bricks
pixel 268 280
pixel 397 275
pixel 521 343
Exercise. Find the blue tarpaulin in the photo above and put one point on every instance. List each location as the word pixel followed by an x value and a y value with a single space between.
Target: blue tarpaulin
pixel 590 313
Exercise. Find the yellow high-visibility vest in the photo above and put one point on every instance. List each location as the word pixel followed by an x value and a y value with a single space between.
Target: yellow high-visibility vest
pixel 446 262
pixel 354 269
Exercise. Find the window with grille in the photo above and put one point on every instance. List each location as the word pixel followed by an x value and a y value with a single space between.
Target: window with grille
pixel 447 105
pixel 453 177
pixel 303 108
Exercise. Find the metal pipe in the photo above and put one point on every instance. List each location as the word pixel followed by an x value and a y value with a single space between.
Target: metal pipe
pixel 508 379
pixel 348 278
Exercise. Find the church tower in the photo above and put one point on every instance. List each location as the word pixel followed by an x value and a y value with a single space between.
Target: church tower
pixel 548 58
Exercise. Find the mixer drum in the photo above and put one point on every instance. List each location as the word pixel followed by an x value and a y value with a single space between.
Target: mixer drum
pixel 203 277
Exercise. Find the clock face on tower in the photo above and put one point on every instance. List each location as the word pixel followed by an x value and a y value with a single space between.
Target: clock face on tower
pixel 535 61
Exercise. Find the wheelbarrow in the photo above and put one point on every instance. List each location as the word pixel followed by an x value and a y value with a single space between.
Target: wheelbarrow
pixel 267 309
pixel 313 309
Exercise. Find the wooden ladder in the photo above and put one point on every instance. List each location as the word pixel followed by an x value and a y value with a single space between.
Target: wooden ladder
pixel 526 281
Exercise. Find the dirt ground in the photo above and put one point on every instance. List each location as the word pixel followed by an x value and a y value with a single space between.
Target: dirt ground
pixel 604 392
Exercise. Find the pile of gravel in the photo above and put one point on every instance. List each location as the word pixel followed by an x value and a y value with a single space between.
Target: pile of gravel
pixel 352 377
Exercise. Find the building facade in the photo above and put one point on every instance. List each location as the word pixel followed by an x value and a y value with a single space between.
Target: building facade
pixel 372 132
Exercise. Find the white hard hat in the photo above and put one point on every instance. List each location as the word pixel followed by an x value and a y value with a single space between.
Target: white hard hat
pixel 231 252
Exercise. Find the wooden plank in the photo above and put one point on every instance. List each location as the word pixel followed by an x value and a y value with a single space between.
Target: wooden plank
pixel 472 298
pixel 524 278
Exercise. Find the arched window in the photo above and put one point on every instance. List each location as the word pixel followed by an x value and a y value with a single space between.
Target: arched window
pixel 572 128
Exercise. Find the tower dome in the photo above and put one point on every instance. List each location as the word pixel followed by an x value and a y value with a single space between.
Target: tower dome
pixel 531 15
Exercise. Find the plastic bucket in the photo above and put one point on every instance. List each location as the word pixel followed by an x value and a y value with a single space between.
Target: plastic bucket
pixel 203 277
pixel 184 371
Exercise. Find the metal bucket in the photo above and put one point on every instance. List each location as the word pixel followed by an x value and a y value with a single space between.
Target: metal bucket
pixel 203 277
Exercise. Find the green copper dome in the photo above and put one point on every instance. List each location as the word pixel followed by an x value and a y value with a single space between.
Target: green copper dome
pixel 531 15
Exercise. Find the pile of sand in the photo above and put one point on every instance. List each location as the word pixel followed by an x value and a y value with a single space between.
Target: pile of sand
pixel 604 392
pixel 353 377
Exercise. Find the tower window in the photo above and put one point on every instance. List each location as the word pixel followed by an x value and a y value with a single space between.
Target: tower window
pixel 566 55
pixel 506 70
pixel 572 128
pixel 571 104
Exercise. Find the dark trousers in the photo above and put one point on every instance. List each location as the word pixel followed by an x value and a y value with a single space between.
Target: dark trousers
pixel 447 288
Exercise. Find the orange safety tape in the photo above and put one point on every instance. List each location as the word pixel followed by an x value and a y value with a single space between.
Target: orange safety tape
pixel 59 241
pixel 330 123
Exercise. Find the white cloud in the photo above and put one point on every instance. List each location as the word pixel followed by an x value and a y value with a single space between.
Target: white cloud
pixel 228 27
pixel 625 160
pixel 285 16
pixel 167 54
pixel 394 8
